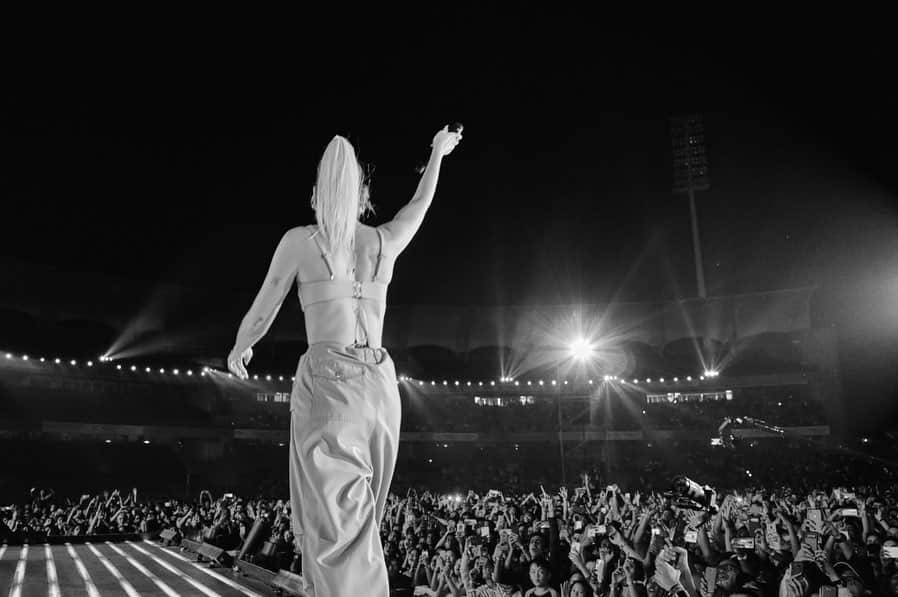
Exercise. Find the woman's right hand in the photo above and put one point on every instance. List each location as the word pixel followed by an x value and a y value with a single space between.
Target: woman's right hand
pixel 238 361
pixel 445 141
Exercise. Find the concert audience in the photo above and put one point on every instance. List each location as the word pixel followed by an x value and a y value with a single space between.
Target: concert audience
pixel 824 525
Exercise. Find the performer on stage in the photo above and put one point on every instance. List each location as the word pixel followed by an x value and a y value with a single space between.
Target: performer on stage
pixel 344 408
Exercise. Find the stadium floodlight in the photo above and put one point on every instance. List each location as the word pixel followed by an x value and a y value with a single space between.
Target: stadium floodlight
pixel 580 349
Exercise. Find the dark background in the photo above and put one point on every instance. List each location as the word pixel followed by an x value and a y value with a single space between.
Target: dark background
pixel 187 163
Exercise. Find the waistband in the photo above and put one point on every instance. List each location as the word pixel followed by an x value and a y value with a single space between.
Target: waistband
pixel 366 354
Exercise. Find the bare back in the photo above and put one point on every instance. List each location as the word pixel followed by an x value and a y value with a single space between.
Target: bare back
pixel 346 320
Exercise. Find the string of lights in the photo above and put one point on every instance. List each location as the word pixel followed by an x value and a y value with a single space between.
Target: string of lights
pixel 501 382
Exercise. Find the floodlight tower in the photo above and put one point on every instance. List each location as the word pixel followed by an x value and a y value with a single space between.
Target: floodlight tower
pixel 690 164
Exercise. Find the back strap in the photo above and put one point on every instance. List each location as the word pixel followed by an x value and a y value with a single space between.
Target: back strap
pixel 319 292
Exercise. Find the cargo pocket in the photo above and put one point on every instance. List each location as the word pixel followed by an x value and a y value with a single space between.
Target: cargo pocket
pixel 337 388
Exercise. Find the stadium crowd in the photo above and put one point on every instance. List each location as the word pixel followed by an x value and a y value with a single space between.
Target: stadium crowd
pixel 816 528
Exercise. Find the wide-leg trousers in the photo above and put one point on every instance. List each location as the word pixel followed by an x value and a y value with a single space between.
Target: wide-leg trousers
pixel 344 439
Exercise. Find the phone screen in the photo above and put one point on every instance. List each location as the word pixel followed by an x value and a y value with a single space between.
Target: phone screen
pixel 710 581
pixel 815 517
pixel 890 552
pixel 690 537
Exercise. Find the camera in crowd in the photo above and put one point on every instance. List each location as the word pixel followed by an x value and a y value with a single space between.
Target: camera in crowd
pixel 687 494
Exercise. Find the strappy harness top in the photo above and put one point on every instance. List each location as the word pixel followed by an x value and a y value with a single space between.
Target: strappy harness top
pixel 311 293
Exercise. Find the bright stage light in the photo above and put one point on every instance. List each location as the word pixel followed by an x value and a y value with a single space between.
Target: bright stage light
pixel 8 356
pixel 580 349
pixel 43 359
pixel 24 357
pixel 635 381
pixel 74 362
pixel 676 379
pixel 176 372
pixel 688 378
pixel 57 360
pixel 119 367
pixel 133 368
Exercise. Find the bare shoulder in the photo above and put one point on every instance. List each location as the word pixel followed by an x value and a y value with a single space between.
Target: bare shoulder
pixel 391 246
pixel 368 236
pixel 299 236
pixel 299 233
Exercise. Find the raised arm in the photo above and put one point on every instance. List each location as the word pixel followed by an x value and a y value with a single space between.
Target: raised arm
pixel 268 301
pixel 399 232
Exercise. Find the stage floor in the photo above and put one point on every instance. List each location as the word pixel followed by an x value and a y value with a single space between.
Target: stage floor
pixel 129 568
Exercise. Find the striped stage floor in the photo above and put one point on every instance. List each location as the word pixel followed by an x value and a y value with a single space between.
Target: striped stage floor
pixel 129 568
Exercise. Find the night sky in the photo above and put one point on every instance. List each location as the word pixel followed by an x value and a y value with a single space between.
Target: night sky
pixel 188 166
